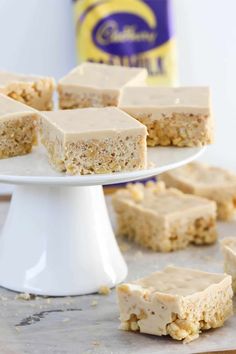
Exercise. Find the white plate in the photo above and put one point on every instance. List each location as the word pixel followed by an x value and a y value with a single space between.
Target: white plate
pixel 58 240
pixel 35 169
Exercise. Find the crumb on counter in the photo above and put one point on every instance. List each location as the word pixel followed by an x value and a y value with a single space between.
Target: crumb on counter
pixel 96 343
pixel 25 296
pixel 104 290
pixel 94 303
pixel 138 254
pixel 3 298
pixel 124 247
pixel 66 319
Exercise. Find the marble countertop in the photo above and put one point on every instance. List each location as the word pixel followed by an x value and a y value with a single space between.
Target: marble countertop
pixel 89 324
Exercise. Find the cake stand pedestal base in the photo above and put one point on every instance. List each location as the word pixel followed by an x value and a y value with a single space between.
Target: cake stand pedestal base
pixel 58 241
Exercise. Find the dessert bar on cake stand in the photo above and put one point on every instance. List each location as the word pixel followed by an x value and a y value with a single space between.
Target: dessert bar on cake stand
pixel 57 239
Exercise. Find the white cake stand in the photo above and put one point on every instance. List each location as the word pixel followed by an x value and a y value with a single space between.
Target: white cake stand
pixel 57 239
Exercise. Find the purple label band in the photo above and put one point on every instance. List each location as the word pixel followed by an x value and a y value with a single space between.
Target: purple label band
pixel 126 33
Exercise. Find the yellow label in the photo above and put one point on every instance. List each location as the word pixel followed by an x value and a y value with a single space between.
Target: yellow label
pixel 130 33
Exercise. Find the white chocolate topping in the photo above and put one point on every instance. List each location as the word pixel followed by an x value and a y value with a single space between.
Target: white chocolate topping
pixel 10 107
pixel 7 78
pixel 179 281
pixel 102 76
pixel 203 175
pixel 195 100
pixel 94 122
pixel 167 201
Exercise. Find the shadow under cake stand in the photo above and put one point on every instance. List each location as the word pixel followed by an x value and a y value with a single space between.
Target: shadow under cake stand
pixel 57 239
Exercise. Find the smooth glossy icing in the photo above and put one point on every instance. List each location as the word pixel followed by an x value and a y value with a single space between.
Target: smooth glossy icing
pixel 10 107
pixel 94 122
pixel 203 175
pixel 102 76
pixel 167 202
pixel 179 281
pixel 166 100
pixel 7 78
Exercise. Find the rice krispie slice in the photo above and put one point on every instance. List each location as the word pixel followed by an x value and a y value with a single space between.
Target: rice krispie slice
pixel 229 251
pixel 97 85
pixel 206 181
pixel 164 219
pixel 179 302
pixel 94 140
pixel 18 128
pixel 173 116
pixel 34 91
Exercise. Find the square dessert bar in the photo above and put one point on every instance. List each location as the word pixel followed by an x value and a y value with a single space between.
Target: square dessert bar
pixel 18 128
pixel 229 251
pixel 173 116
pixel 210 182
pixel 97 85
pixel 35 91
pixel 94 140
pixel 179 302
pixel 164 219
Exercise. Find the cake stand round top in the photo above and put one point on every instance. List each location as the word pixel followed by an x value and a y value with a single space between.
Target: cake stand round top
pixel 34 168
